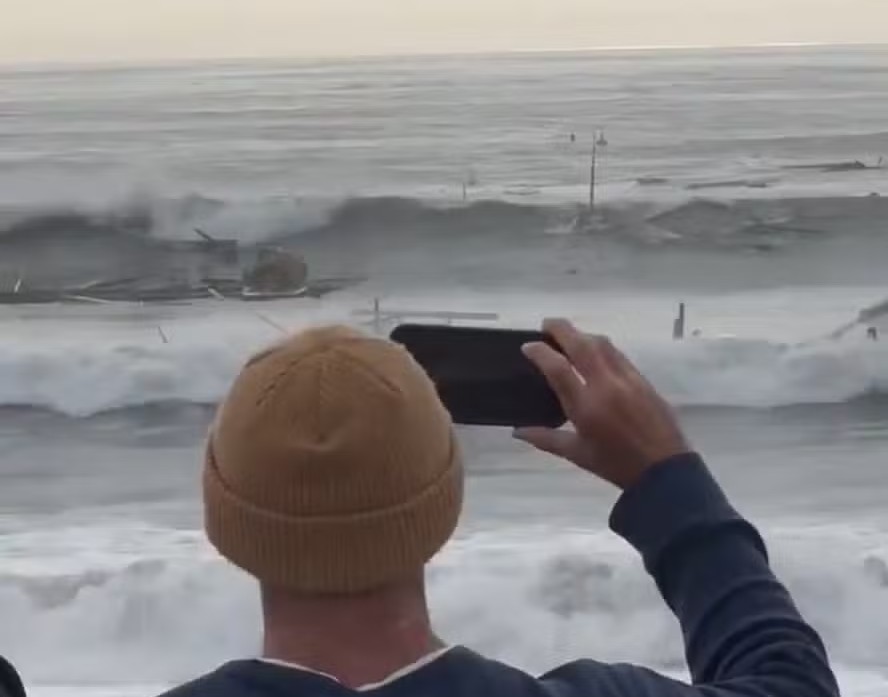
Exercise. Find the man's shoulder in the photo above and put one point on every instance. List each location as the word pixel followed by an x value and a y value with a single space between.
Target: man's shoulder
pixel 222 682
pixel 252 678
pixel 588 678
pixel 204 685
pixel 10 682
pixel 475 674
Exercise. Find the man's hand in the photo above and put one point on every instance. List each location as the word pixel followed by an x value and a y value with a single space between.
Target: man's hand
pixel 623 426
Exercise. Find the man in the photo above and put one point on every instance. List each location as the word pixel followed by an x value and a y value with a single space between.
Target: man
pixel 10 682
pixel 333 476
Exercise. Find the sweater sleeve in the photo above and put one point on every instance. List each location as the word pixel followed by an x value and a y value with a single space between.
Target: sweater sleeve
pixel 743 635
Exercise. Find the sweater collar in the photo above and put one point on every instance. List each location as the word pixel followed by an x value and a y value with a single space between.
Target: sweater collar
pixel 394 677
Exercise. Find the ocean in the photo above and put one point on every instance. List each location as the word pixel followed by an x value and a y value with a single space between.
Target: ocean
pixel 745 183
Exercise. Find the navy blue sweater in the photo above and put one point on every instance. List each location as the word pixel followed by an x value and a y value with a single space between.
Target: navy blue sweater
pixel 10 682
pixel 743 636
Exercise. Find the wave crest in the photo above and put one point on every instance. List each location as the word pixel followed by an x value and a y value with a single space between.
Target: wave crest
pixel 84 379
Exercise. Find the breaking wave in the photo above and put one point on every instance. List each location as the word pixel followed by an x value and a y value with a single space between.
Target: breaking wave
pixel 84 379
pixel 751 222
pixel 583 593
pixel 484 242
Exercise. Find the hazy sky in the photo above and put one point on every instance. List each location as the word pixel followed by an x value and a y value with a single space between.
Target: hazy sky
pixel 53 30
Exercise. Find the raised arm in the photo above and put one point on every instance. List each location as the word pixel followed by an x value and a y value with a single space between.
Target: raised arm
pixel 743 634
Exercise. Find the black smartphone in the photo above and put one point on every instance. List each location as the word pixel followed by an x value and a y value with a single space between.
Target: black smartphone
pixel 482 376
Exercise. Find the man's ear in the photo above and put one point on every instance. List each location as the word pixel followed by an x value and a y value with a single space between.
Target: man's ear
pixel 10 682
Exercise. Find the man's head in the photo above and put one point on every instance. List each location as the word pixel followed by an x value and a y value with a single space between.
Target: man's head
pixel 332 466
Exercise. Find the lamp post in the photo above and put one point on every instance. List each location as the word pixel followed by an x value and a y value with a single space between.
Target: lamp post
pixel 599 141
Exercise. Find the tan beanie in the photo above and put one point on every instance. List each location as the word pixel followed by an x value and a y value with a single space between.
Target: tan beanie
pixel 332 466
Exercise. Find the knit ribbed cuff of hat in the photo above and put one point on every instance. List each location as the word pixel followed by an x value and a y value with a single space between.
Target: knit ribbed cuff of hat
pixel 333 554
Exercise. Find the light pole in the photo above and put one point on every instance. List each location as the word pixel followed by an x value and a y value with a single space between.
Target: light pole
pixel 599 141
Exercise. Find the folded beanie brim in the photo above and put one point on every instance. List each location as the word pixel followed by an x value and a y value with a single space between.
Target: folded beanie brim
pixel 335 554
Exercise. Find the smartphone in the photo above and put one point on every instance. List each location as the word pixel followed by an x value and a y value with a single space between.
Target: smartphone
pixel 482 376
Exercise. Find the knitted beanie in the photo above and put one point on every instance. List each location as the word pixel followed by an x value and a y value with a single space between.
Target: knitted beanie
pixel 332 466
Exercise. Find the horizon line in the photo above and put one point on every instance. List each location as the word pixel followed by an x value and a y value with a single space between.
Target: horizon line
pixel 119 63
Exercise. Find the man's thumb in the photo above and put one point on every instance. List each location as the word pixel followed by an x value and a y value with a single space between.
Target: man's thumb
pixel 559 443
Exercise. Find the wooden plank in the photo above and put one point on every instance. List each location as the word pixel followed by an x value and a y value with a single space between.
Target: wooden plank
pixel 874 312
pixel 87 299
pixel 427 314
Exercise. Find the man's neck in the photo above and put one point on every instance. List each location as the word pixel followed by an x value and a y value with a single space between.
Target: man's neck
pixel 357 640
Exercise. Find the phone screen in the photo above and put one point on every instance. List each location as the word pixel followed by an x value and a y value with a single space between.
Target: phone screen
pixel 482 376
